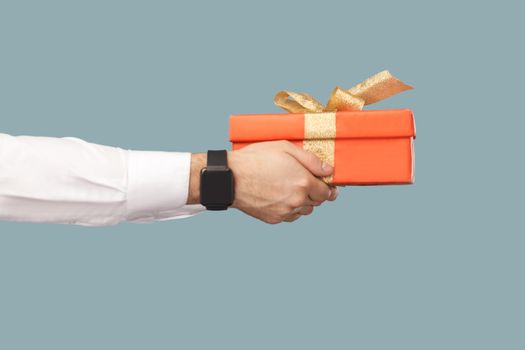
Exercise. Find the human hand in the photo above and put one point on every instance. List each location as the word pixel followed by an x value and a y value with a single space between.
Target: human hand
pixel 276 181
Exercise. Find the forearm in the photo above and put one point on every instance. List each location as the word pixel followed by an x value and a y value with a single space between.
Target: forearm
pixel 70 180
pixel 198 161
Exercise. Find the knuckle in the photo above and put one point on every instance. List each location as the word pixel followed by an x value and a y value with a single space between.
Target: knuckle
pixel 296 202
pixel 283 212
pixel 303 182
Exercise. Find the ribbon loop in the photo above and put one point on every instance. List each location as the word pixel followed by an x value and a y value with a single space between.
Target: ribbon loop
pixel 342 100
pixel 295 102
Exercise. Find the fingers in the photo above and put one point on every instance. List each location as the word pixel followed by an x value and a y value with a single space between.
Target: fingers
pixel 309 160
pixel 319 191
pixel 292 218
pixel 334 193
pixel 298 212
pixel 306 210
pixel 309 205
pixel 333 197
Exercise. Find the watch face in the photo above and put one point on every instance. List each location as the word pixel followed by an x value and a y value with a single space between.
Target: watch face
pixel 216 187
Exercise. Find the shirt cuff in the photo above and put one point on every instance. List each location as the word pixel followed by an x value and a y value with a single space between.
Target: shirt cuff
pixel 158 185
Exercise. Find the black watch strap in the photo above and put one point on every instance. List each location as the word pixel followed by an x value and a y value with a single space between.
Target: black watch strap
pixel 217 160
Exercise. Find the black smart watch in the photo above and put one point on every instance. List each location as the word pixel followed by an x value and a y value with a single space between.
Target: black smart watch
pixel 216 188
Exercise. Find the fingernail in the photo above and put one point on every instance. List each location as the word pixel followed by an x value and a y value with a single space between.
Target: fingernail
pixel 329 193
pixel 326 166
pixel 336 192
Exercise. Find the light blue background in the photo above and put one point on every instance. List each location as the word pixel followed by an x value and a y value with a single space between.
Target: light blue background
pixel 436 265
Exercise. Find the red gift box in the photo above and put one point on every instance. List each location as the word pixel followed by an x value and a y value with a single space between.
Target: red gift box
pixel 372 147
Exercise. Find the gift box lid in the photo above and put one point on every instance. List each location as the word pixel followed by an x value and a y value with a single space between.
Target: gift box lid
pixel 349 124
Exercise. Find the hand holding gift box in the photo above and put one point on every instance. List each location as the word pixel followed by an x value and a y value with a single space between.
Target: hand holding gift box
pixel 372 147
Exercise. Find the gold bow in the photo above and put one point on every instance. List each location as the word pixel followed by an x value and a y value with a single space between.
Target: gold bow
pixel 320 125
pixel 374 89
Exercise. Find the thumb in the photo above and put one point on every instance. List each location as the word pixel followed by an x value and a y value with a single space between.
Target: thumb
pixel 310 161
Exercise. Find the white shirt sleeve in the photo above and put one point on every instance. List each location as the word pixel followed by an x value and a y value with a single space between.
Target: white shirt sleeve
pixel 67 180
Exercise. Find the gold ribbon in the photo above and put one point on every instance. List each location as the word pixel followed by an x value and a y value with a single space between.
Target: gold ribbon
pixel 319 120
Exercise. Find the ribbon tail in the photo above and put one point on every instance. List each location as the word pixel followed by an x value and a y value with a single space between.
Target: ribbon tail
pixel 379 87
